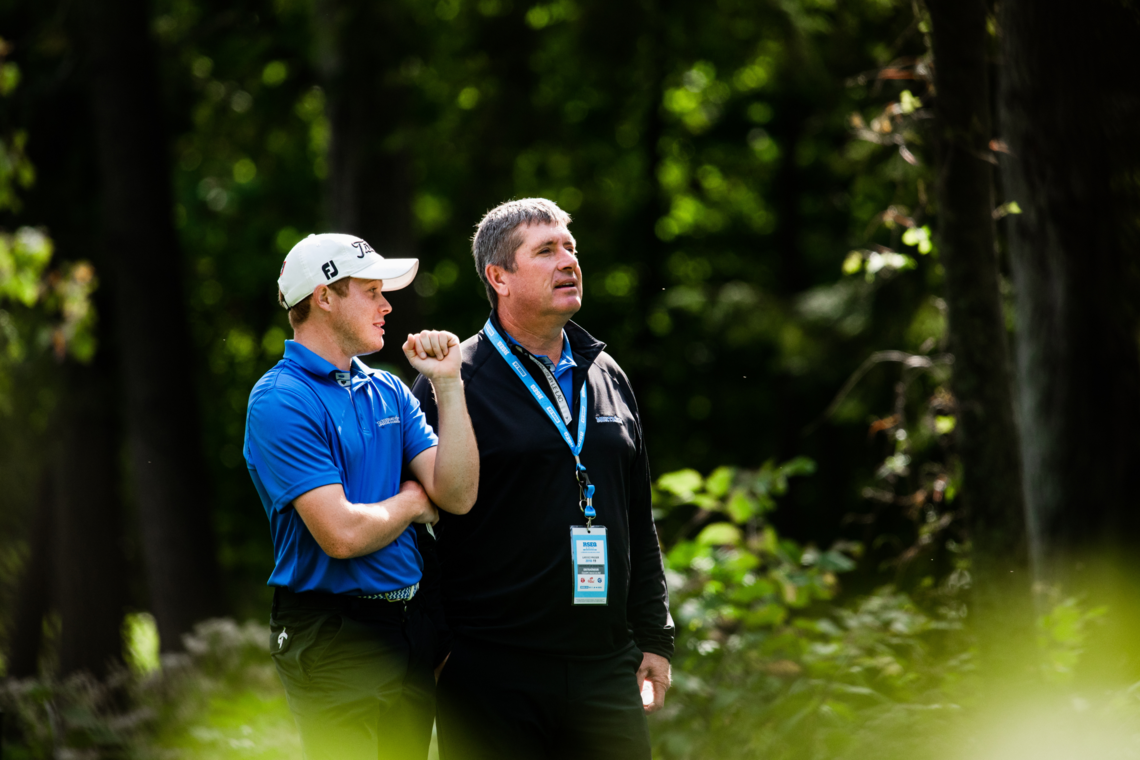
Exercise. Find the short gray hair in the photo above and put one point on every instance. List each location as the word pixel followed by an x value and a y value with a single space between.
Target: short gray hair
pixel 498 236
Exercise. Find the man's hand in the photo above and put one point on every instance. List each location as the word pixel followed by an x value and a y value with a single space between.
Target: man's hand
pixel 428 515
pixel 434 354
pixel 655 669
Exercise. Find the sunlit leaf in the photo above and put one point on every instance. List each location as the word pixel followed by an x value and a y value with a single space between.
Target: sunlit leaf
pixel 766 615
pixel 741 507
pixel 683 483
pixel 798 466
pixel 719 534
pixel 908 103
pixel 920 237
pixel 719 480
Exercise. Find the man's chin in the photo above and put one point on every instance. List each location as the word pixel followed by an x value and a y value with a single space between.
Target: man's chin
pixel 568 306
pixel 367 348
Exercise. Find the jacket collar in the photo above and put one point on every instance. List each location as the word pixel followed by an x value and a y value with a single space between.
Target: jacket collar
pixel 584 345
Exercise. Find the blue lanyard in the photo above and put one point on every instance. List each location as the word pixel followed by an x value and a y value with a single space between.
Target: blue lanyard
pixel 584 484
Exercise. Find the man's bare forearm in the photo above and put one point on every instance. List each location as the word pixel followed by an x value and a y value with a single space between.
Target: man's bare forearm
pixel 344 529
pixel 382 523
pixel 456 474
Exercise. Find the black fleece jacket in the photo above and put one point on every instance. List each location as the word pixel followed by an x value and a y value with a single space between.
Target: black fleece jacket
pixel 505 566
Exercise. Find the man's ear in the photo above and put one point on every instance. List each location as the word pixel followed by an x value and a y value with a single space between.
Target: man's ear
pixel 497 276
pixel 321 297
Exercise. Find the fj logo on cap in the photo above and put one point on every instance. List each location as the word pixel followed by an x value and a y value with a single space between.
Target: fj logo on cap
pixel 363 247
pixel 330 270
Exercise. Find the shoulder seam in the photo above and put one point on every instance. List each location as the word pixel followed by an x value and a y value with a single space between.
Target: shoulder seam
pixel 291 391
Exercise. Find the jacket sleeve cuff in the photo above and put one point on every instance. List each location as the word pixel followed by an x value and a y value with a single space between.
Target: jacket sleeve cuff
pixel 656 642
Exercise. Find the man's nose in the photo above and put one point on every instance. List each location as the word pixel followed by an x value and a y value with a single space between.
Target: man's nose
pixel 567 260
pixel 385 307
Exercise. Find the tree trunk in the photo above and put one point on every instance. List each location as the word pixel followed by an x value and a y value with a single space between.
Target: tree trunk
pixel 370 186
pixel 91 585
pixel 1070 117
pixel 167 468
pixel 77 565
pixel 991 490
pixel 34 596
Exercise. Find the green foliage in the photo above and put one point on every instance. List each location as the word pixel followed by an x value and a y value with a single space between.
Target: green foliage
pixel 42 311
pixel 1063 636
pixel 222 699
pixel 140 643
pixel 773 662
pixel 23 258
pixel 768 663
pixel 16 171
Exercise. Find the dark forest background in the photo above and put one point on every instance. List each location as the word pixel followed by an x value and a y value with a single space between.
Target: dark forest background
pixel 874 262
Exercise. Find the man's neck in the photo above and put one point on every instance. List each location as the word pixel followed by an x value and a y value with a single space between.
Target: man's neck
pixel 541 338
pixel 324 346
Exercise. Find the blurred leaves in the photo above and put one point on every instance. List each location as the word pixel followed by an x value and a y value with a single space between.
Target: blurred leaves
pixel 765 653
pixel 221 699
pixel 47 310
pixel 1063 634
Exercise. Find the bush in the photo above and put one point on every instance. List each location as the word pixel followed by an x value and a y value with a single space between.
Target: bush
pixel 767 664
pixel 220 699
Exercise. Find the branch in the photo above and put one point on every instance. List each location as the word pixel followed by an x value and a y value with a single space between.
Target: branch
pixel 908 360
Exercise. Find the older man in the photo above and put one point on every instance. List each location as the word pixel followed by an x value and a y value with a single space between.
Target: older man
pixel 327 438
pixel 553 583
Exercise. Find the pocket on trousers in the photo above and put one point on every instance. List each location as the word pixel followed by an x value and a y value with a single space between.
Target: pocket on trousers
pixel 298 645
pixel 280 637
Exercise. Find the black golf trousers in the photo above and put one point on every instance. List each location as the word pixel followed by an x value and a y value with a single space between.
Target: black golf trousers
pixel 512 705
pixel 357 674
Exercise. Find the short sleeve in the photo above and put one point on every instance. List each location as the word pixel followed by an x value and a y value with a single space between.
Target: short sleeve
pixel 418 434
pixel 289 447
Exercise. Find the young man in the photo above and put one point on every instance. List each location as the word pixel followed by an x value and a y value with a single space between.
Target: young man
pixel 553 583
pixel 326 440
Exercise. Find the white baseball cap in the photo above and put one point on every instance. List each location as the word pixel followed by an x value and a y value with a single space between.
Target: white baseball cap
pixel 330 256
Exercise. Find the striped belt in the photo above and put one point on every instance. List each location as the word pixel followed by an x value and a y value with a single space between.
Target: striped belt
pixel 399 595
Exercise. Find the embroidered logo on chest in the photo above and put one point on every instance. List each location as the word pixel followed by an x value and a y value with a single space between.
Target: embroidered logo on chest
pixel 387 421
pixel 608 418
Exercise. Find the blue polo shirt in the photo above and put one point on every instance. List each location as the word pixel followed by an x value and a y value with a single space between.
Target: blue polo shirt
pixel 309 424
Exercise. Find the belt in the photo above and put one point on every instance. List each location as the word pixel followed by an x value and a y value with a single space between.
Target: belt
pixel 360 608
pixel 399 595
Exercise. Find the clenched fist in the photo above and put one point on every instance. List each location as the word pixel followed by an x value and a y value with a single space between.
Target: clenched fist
pixel 434 354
